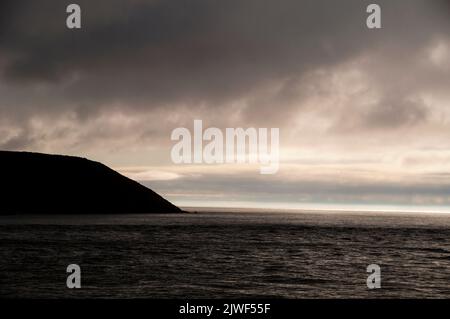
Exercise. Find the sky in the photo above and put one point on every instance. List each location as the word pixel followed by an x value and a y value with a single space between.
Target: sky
pixel 364 114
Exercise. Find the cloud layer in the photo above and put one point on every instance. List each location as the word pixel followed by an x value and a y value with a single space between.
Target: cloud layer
pixel 115 89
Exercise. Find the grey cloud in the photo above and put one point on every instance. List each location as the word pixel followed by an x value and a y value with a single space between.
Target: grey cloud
pixel 396 113
pixel 198 50
pixel 204 55
pixel 20 141
pixel 392 111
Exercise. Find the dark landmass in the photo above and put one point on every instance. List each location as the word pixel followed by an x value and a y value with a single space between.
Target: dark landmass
pixel 33 183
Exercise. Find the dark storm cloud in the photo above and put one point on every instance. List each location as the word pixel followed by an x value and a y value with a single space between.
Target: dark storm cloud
pixel 198 57
pixel 167 51
pixel 147 54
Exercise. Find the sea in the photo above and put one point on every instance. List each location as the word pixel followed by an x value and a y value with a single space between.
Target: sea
pixel 227 254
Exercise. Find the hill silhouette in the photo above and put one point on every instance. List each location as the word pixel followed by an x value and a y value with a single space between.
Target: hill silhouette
pixel 34 183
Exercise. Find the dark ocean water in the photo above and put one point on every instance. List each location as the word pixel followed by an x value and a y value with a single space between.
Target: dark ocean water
pixel 226 255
